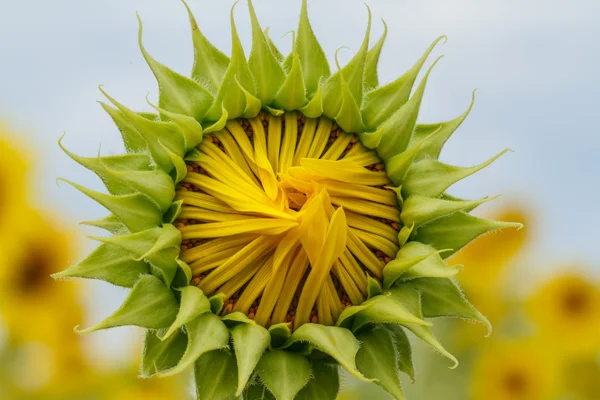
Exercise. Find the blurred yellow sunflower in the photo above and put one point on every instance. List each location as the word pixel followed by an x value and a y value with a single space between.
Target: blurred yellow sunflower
pixel 516 370
pixel 584 379
pixel 566 311
pixel 13 172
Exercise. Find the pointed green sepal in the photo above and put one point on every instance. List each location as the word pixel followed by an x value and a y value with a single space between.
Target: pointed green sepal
pixel 441 297
pixel 337 342
pixel 348 116
pixel 346 318
pixel 218 125
pixel 109 263
pixel 193 303
pixel 386 311
pixel 216 303
pixel 397 167
pixel 411 300
pixel 377 359
pixel 150 305
pixel 439 132
pixel 403 349
pixel 133 140
pixel 205 333
pixel 291 95
pixel 353 74
pixel 420 210
pixel 110 223
pixel 160 355
pixel 189 126
pixel 457 230
pixel 400 125
pixel 312 57
pixel 284 373
pixel 177 93
pixel 267 71
pixel 249 342
pixel 136 211
pixel 371 78
pixel 127 162
pixel 216 375
pixel 314 107
pixel 431 178
pixel 279 333
pixel 428 264
pixel 210 63
pixel 373 287
pixel 382 102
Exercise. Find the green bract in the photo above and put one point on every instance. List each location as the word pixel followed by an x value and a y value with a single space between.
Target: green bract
pixel 276 221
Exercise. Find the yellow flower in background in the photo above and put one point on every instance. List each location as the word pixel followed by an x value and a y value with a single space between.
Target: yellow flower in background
pixel 566 311
pixel 516 370
pixel 13 170
pixel 584 379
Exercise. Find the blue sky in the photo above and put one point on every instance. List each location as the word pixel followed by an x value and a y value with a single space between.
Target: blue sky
pixel 534 64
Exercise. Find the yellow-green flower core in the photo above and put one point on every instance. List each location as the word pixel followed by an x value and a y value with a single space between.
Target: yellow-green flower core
pixel 285 196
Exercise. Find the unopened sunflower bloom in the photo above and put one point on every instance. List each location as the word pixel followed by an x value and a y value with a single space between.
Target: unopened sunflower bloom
pixel 276 221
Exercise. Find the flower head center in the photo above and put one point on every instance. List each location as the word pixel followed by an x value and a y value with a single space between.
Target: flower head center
pixel 287 216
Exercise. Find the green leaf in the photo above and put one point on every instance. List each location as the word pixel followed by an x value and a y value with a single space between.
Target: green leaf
pixel 324 383
pixel 441 297
pixel 381 103
pixel 133 140
pixel 160 355
pixel 249 342
pixel 400 125
pixel 284 373
pixel 404 350
pixel 377 358
pixel 136 211
pixel 265 67
pixel 430 263
pixel 216 375
pixel 205 333
pixel 337 342
pixel 291 95
pixel 110 223
pixel 109 263
pixel 371 79
pixel 210 63
pixel 387 310
pixel 420 210
pixel 312 57
pixel 431 178
pixel 457 230
pixel 411 300
pixel 193 303
pixel 177 93
pixel 150 305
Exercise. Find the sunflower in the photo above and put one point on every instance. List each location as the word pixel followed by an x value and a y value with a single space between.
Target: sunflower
pixel 13 173
pixel 566 310
pixel 516 370
pixel 276 221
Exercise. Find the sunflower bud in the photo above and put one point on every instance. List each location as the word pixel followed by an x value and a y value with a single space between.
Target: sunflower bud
pixel 276 221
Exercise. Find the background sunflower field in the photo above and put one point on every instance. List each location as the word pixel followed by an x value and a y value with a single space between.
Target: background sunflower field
pixel 535 64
